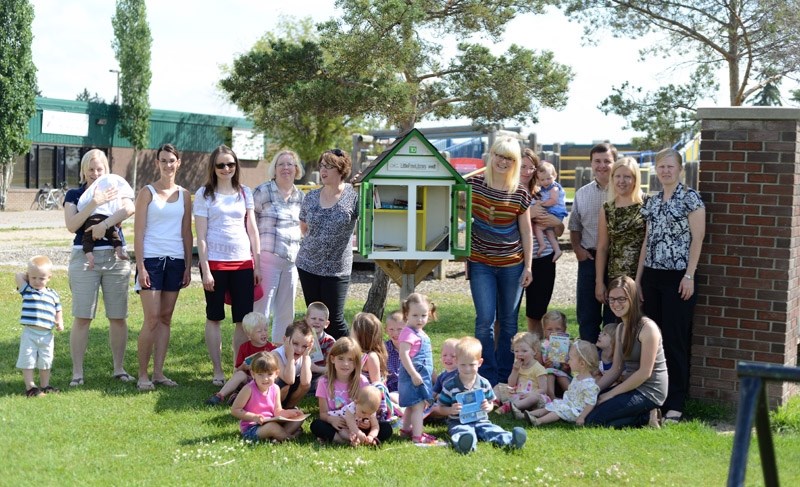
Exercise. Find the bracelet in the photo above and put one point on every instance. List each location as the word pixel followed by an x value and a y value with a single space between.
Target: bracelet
pixel 688 276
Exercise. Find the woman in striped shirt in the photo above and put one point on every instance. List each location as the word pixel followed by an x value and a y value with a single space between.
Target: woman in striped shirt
pixel 499 266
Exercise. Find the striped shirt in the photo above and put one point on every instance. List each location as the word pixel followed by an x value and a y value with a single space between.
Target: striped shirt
pixel 278 220
pixel 39 307
pixel 496 239
pixel 585 216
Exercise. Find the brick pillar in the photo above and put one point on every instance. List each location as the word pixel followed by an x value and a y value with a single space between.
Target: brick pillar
pixel 748 295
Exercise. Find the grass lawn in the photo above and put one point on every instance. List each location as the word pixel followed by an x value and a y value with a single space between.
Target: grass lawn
pixel 108 433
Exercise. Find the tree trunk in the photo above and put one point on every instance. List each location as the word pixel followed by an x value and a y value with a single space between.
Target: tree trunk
pixel 6 173
pixel 376 298
pixel 135 166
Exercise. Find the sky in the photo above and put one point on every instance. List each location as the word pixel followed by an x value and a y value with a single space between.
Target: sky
pixel 193 40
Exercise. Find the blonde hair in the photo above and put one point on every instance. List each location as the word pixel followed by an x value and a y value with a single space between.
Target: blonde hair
pixel 94 154
pixel 40 262
pixel 421 299
pixel 529 339
pixel 252 320
pixel 587 353
pixel 469 347
pixel 369 398
pixel 610 329
pixel 450 342
pixel 368 332
pixel 631 164
pixel 349 347
pixel 555 315
pixel 667 153
pixel 506 147
pixel 318 306
pixel 264 363
pixel 299 171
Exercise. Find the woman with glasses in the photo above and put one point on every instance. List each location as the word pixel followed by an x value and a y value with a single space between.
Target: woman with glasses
pixel 676 226
pixel 327 219
pixel 229 250
pixel 499 266
pixel 640 354
pixel 620 229
pixel 163 244
pixel 277 208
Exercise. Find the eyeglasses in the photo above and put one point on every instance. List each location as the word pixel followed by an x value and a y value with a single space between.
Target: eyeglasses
pixel 619 300
pixel 326 165
pixel 223 165
pixel 505 158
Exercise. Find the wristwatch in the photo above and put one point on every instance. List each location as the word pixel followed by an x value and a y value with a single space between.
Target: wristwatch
pixel 688 276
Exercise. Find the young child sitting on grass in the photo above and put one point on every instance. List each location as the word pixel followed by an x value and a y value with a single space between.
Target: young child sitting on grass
pixel 465 436
pixel 450 370
pixel 361 418
pixel 527 384
pixel 317 318
pixel 605 347
pixel 294 378
pixel 41 313
pixel 260 401
pixel 255 327
pixel 554 322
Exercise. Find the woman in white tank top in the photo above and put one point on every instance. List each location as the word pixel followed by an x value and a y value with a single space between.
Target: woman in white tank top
pixel 163 246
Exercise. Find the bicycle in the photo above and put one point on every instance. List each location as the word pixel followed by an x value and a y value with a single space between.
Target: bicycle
pixel 48 198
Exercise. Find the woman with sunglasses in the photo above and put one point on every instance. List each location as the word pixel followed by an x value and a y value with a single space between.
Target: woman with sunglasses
pixel 327 219
pixel 639 350
pixel 228 248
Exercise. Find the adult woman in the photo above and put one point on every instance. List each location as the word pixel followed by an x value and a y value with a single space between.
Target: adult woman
pixel 228 249
pixel 327 218
pixel 540 290
pixel 109 273
pixel 620 229
pixel 500 263
pixel 638 345
pixel 163 244
pixel 277 208
pixel 676 226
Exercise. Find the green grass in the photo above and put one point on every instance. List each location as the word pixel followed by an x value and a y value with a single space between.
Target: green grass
pixel 107 433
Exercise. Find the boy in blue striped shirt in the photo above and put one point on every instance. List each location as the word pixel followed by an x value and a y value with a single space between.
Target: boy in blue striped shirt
pixel 41 313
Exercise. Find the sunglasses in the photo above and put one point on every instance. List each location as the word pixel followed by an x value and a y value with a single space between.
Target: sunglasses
pixel 337 152
pixel 223 165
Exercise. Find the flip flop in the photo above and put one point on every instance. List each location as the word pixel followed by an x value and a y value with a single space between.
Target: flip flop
pixel 77 381
pixel 165 382
pixel 124 377
pixel 145 386
pixel 218 382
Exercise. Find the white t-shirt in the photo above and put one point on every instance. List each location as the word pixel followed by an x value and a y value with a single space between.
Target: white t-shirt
pixel 104 183
pixel 227 235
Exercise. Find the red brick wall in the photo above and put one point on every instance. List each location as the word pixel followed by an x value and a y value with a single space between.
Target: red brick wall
pixel 748 296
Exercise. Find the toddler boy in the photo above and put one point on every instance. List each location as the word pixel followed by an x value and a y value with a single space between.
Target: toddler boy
pixel 450 370
pixel 317 318
pixel 394 325
pixel 294 377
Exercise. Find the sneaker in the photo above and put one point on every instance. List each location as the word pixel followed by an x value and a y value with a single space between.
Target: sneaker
pixel 518 438
pixel 518 414
pixel 504 409
pixel 34 392
pixel 464 444
pixel 215 400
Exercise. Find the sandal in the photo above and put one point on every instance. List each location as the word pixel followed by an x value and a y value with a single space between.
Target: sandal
pixel 165 382
pixel 34 392
pixel 672 417
pixel 145 386
pixel 75 382
pixel 425 439
pixel 405 433
pixel 51 390
pixel 217 382
pixel 124 377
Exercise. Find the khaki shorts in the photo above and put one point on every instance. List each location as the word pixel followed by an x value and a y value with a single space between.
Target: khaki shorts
pixel 110 273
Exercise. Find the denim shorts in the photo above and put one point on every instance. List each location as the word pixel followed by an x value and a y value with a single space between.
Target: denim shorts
pixel 251 433
pixel 166 273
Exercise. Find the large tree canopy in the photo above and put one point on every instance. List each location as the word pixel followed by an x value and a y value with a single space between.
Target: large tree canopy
pixel 17 86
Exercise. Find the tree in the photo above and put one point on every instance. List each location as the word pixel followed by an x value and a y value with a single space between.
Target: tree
pixel 88 97
pixel 289 115
pixel 756 40
pixel 383 59
pixel 131 45
pixel 17 86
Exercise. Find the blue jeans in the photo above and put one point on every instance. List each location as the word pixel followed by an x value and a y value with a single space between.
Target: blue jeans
pixel 630 408
pixel 496 293
pixel 591 313
pixel 480 431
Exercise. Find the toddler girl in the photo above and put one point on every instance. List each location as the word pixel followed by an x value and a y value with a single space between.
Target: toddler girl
pixel 605 347
pixel 336 389
pixel 260 400
pixel 581 396
pixel 553 200
pixel 414 382
pixel 366 331
pixel 527 384
pixel 554 322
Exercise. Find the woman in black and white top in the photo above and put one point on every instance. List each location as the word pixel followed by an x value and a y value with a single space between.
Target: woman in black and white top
pixel 327 219
pixel 676 227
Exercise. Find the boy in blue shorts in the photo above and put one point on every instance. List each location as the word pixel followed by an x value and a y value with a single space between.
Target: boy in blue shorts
pixel 465 435
pixel 41 313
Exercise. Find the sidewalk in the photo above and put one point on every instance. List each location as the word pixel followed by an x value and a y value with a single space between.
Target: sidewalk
pixel 31 219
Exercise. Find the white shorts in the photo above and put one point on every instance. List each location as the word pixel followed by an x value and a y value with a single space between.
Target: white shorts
pixel 35 350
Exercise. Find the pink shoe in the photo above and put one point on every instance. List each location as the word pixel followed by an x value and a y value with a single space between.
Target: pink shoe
pixel 425 439
pixel 504 409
